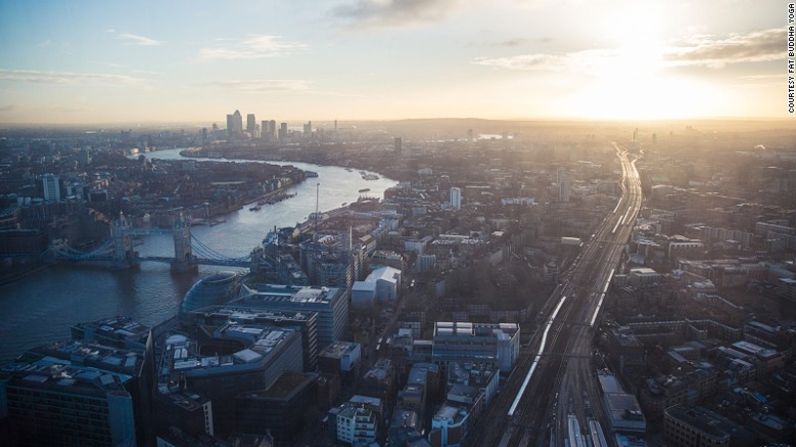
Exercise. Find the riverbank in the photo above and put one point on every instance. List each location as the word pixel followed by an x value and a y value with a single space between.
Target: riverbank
pixel 207 190
pixel 383 164
pixel 42 306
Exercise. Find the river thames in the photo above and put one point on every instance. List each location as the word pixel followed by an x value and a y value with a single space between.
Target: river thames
pixel 42 307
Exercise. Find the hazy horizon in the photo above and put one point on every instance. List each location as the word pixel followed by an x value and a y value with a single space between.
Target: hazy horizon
pixel 385 60
pixel 295 123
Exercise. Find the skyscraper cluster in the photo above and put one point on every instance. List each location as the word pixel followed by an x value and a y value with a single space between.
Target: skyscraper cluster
pixel 269 132
pixel 266 130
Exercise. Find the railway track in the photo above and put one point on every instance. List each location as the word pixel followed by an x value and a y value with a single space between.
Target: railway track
pixel 532 392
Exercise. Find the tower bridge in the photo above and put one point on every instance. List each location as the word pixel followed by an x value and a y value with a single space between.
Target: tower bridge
pixel 119 251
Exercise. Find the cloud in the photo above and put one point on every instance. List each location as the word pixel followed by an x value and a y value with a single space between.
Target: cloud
pixel 65 77
pixel 515 42
pixel 538 61
pixel 706 51
pixel 582 60
pixel 266 85
pixel 758 46
pixel 763 77
pixel 136 39
pixel 387 13
pixel 255 46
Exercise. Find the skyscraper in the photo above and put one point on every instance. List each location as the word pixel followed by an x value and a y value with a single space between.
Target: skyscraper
pixel 282 131
pixel 52 189
pixel 272 127
pixel 264 130
pixel 563 185
pixel 456 198
pixel 397 145
pixel 234 124
pixel 308 129
pixel 251 124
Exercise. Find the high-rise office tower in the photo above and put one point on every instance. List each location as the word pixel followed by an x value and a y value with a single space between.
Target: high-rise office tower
pixel 251 124
pixel 52 189
pixel 563 185
pixel 308 129
pixel 282 131
pixel 264 130
pixel 456 198
pixel 397 145
pixel 235 124
pixel 272 127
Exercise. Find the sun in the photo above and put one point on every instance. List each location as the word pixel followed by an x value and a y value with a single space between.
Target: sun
pixel 632 78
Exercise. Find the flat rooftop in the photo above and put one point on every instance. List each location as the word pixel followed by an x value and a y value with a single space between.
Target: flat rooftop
pixel 624 411
pixel 338 349
pixel 244 314
pixel 756 350
pixel 609 383
pixel 259 343
pixel 285 386
pixel 37 371
pixel 703 419
pixel 464 328
pixel 78 352
pixel 265 293
pixel 116 327
pixel 450 414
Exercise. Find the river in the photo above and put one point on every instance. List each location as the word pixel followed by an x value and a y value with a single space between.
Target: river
pixel 42 307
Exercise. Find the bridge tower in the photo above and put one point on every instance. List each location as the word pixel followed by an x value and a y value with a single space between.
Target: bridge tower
pixel 124 254
pixel 183 253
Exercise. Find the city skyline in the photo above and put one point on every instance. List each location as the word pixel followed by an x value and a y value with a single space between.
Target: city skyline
pixel 398 223
pixel 383 60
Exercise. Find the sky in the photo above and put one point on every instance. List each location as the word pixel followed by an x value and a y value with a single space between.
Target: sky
pixel 195 61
